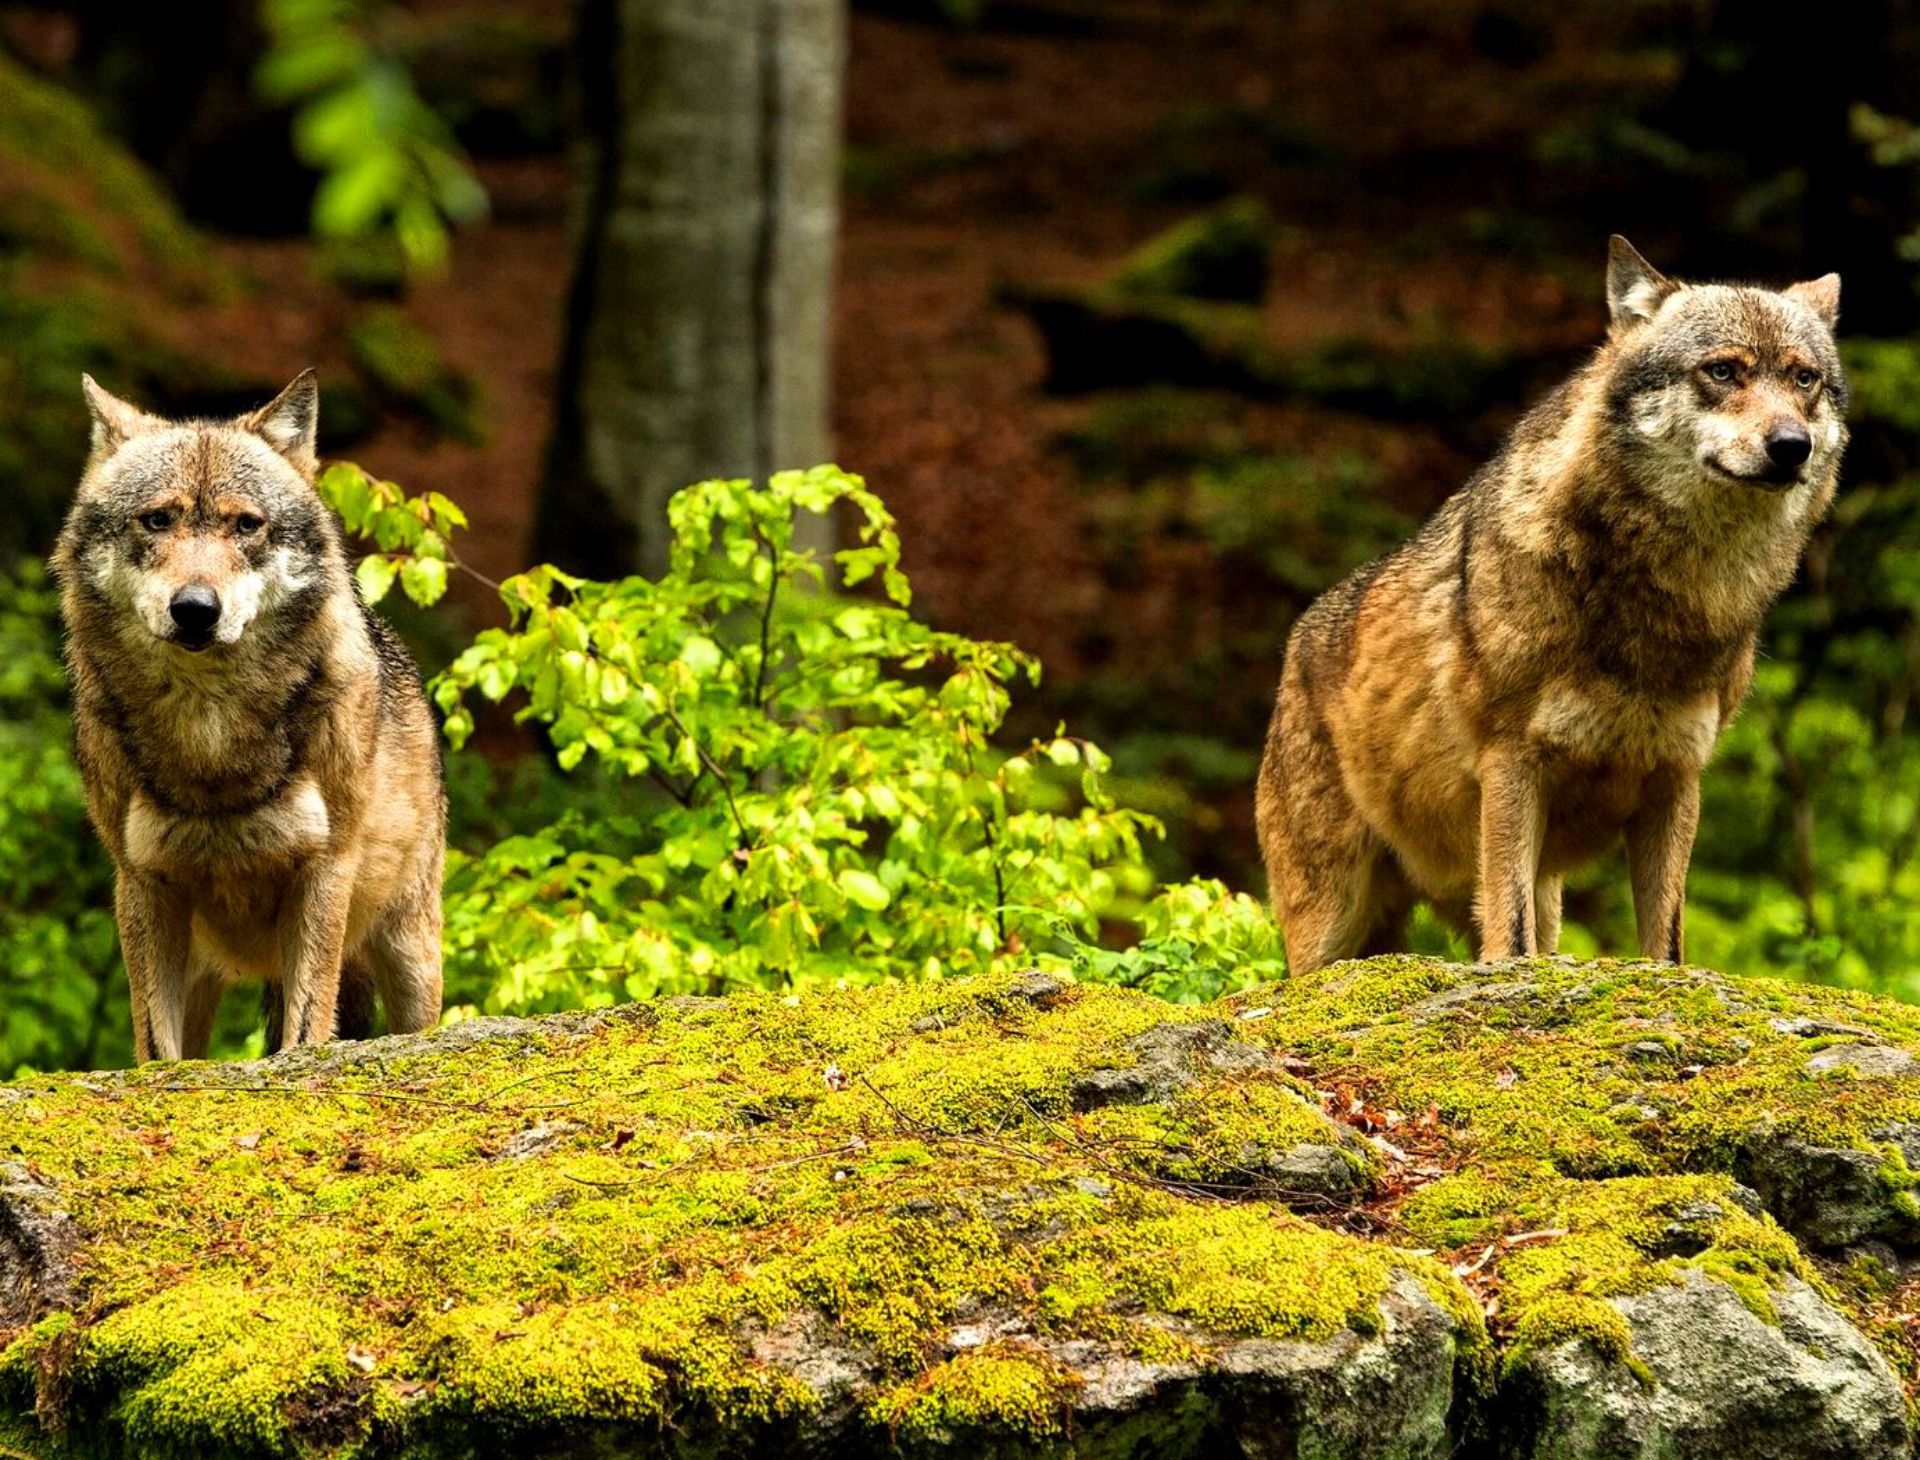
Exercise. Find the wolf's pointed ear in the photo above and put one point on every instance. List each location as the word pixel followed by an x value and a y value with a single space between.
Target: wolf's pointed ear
pixel 1635 288
pixel 290 421
pixel 1821 295
pixel 114 421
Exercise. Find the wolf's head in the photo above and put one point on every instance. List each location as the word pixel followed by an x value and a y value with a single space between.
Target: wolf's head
pixel 202 533
pixel 1723 387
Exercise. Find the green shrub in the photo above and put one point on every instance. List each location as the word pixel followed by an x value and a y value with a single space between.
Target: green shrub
pixel 62 998
pixel 806 785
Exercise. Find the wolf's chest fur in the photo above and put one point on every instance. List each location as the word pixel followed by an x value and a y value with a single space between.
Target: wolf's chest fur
pixel 216 748
pixel 278 834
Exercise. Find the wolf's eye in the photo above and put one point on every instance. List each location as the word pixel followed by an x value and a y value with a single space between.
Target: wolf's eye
pixel 156 521
pixel 1806 379
pixel 246 524
pixel 1721 370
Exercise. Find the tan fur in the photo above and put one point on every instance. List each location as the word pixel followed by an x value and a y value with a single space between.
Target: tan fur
pixel 1541 674
pixel 272 802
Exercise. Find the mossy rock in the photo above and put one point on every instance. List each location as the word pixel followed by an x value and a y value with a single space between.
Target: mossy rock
pixel 1182 312
pixel 1011 1215
pixel 1220 254
pixel 1104 337
pixel 1004 1216
pixel 405 370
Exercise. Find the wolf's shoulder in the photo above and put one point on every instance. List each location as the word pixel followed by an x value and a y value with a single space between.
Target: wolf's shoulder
pixel 399 673
pixel 1327 626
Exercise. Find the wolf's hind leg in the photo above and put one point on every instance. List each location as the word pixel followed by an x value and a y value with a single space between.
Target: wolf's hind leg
pixel 402 952
pixel 1546 913
pixel 313 945
pixel 1332 886
pixel 1390 901
pixel 202 1007
pixel 353 1010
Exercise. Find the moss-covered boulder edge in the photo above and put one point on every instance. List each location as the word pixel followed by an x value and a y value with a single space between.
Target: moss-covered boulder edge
pixel 1393 1209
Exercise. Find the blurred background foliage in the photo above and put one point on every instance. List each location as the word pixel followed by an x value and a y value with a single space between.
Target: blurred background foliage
pixel 1138 372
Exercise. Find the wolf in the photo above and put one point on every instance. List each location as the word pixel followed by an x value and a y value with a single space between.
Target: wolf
pixel 257 750
pixel 1542 671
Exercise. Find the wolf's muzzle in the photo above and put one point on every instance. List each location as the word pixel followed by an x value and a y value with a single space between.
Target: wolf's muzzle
pixel 1789 446
pixel 195 610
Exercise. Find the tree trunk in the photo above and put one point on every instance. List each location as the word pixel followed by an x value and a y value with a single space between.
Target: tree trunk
pixel 699 330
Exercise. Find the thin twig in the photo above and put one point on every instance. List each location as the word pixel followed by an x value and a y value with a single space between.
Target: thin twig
pixel 713 769
pixel 405 1096
pixel 665 782
pixel 993 853
pixel 923 1128
pixel 182 1087
pixel 486 1100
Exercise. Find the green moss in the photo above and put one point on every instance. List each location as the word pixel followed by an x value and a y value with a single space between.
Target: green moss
pixel 1455 1210
pixel 1004 1388
pixel 1628 1236
pixel 1224 1134
pixel 1534 1071
pixel 602 1223
pixel 1610 1106
pixel 1219 254
pixel 590 1227
pixel 1233 1270
pixel 1561 1318
pixel 404 366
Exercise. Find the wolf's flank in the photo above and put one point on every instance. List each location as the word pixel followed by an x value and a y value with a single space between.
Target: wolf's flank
pixel 1541 673
pixel 258 754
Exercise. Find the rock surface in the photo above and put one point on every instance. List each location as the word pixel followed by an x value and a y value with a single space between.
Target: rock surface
pixel 1556 1211
pixel 1715 1379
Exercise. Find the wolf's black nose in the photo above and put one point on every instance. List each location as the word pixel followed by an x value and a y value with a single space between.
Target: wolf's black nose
pixel 195 610
pixel 1789 445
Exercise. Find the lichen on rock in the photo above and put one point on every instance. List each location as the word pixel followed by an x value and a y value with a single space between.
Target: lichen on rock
pixel 1415 1210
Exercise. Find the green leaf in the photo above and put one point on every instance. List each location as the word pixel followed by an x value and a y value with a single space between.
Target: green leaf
pixel 351 199
pixel 424 579
pixel 863 889
pixel 375 575
pixel 701 655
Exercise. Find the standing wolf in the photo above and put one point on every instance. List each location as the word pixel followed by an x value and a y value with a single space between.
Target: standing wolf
pixel 258 755
pixel 1543 670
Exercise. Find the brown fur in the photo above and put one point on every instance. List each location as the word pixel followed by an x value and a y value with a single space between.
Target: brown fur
pixel 1541 673
pixel 272 801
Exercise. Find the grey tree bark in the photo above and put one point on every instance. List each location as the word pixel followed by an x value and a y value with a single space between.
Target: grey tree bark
pixel 699 332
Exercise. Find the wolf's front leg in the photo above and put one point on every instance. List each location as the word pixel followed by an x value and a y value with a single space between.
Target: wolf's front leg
pixel 313 935
pixel 1512 820
pixel 156 932
pixel 1659 846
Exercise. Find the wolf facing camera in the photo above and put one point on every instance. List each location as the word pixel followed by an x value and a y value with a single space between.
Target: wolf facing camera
pixel 258 754
pixel 1541 673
